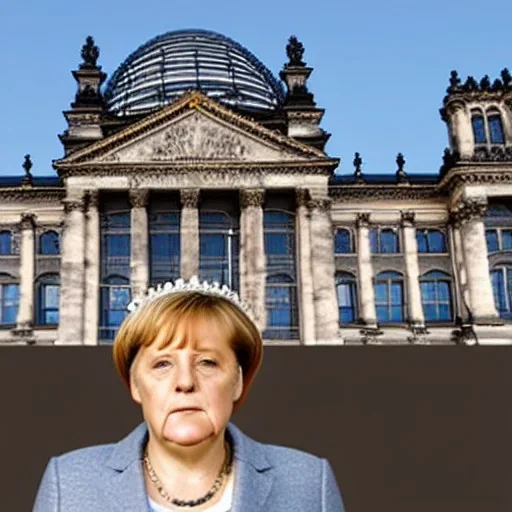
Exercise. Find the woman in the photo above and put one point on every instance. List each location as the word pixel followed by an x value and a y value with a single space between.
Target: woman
pixel 188 353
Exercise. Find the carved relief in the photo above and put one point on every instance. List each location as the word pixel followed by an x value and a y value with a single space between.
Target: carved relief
pixel 73 204
pixel 139 197
pixel 28 220
pixel 363 220
pixel 189 198
pixel 196 137
pixel 408 219
pixel 320 203
pixel 251 197
pixel 470 209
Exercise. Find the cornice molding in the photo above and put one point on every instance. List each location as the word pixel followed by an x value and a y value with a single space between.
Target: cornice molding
pixel 355 193
pixel 38 195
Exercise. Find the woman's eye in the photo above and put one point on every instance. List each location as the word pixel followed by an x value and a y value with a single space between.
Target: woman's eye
pixel 162 364
pixel 208 362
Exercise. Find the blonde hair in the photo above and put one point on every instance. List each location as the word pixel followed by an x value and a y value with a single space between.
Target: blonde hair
pixel 175 313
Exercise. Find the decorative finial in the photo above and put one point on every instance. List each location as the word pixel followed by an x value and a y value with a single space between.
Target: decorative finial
pixel 90 53
pixel 27 165
pixel 454 82
pixel 471 84
pixel 485 83
pixel 295 52
pixel 506 77
pixel 358 162
pixel 400 173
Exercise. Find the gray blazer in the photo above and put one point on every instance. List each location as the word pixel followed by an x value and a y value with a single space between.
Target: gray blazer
pixel 109 478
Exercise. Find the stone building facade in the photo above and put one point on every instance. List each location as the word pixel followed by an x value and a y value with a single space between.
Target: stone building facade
pixel 195 160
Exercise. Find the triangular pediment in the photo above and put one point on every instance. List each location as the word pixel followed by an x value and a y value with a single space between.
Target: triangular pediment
pixel 194 128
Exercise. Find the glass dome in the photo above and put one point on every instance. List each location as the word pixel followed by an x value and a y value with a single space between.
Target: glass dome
pixel 176 62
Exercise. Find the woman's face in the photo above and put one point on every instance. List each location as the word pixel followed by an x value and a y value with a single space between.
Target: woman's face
pixel 187 394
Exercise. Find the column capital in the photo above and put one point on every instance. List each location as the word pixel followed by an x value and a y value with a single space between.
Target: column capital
pixel 74 204
pixel 363 220
pixel 252 197
pixel 93 198
pixel 302 197
pixel 189 197
pixel 28 220
pixel 139 197
pixel 408 219
pixel 320 203
pixel 469 209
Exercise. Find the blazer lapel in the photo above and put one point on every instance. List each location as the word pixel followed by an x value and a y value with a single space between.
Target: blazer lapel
pixel 124 487
pixel 125 490
pixel 254 476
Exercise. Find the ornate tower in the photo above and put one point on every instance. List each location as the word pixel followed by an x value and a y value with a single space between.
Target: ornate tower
pixel 84 118
pixel 303 115
pixel 479 119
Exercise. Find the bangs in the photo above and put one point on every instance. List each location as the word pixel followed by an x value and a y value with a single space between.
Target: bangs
pixel 174 322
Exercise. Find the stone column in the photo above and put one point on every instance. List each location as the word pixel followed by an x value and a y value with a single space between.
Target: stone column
pixel 139 250
pixel 189 233
pixel 368 312
pixel 72 274
pixel 415 307
pixel 463 129
pixel 92 270
pixel 307 308
pixel 470 215
pixel 25 316
pixel 324 286
pixel 252 254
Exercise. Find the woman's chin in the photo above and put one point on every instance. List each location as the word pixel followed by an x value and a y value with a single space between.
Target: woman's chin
pixel 188 429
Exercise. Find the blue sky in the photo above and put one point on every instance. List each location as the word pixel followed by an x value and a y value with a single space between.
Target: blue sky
pixel 380 68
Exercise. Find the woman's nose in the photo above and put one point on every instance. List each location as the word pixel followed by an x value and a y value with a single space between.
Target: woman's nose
pixel 185 378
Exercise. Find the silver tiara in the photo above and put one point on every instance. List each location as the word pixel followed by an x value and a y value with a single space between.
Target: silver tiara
pixel 193 284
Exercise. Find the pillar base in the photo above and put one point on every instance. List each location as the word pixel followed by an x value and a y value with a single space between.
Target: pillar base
pixel 24 333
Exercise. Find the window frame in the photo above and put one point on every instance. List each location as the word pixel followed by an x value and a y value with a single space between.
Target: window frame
pixel 343 277
pixel 427 232
pixel 499 231
pixel 492 112
pixel 377 232
pixel 351 240
pixel 443 277
pixel 47 279
pixel 389 280
pixel 40 243
pixel 11 249
pixel 8 280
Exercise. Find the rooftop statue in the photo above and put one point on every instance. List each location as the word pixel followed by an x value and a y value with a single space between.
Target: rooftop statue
pixel 295 52
pixel 90 54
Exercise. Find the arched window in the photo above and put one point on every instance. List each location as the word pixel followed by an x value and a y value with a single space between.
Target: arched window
pixel 436 296
pixel 389 297
pixel 501 277
pixel 164 246
pixel 5 242
pixel 48 294
pixel 478 123
pixel 431 241
pixel 114 272
pixel 384 241
pixel 495 127
pixel 281 283
pixel 346 290
pixel 49 243
pixel 343 242
pixel 9 299
pixel 219 248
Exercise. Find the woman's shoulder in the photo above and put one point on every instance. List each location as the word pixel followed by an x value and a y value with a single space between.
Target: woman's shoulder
pixel 81 458
pixel 288 456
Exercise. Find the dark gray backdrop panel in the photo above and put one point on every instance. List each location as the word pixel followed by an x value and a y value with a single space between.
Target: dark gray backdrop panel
pixel 405 428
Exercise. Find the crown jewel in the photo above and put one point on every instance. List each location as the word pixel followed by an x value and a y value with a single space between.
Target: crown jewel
pixel 193 284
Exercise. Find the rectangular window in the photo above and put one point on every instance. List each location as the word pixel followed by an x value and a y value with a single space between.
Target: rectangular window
pixel 491 236
pixel 9 295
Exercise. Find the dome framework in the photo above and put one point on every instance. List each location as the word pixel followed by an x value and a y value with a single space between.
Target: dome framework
pixel 171 64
